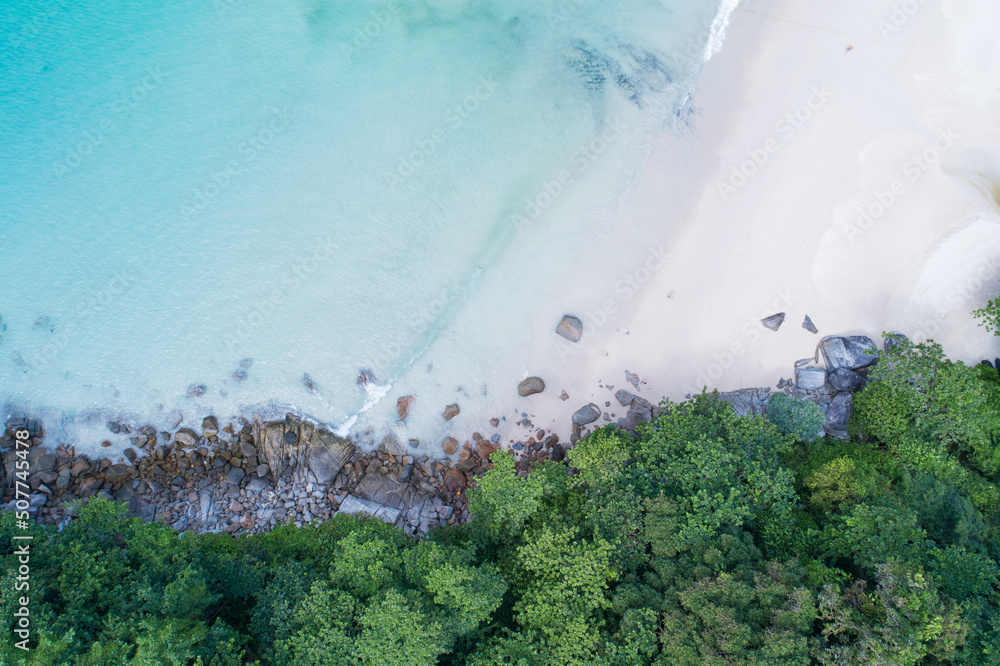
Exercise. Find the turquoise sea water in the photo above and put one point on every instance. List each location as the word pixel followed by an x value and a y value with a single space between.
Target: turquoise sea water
pixel 319 186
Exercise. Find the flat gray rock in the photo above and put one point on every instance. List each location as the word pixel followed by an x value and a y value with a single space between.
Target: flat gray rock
pixel 327 455
pixel 570 328
pixel 749 401
pixel 390 444
pixel 353 505
pixel 637 413
pixel 587 414
pixel 258 484
pixel 624 397
pixel 774 322
pixel 810 379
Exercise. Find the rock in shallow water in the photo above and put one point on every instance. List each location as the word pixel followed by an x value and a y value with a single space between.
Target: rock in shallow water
pixel 403 406
pixel 450 412
pixel 308 383
pixel 530 386
pixel 449 445
pixel 808 324
pixel 570 328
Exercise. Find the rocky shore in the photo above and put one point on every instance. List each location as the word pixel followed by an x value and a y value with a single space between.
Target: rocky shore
pixel 254 475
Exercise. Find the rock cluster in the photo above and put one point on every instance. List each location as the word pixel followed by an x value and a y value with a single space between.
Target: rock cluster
pixel 847 361
pixel 249 479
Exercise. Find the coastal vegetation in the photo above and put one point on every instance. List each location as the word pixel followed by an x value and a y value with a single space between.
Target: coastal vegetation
pixel 703 538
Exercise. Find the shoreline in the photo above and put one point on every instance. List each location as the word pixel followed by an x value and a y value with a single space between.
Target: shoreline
pixel 241 476
pixel 829 135
pixel 847 186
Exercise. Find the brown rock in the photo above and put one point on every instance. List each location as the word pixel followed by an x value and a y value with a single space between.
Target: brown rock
pixel 210 425
pixel 403 406
pixel 186 437
pixel 486 449
pixel 105 443
pixel 450 412
pixel 450 445
pixel 454 480
pixel 530 386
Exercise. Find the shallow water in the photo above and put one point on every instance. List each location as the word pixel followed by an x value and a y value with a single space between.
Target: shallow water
pixel 415 188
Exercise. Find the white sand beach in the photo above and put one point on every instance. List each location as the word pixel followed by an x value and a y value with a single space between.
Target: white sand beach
pixel 853 146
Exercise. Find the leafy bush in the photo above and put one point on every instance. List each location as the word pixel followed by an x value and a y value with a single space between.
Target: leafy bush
pixel 800 418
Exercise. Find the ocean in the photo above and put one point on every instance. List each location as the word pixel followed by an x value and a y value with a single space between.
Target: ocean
pixel 236 206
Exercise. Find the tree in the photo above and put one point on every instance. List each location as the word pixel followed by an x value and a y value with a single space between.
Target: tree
pixel 395 632
pixel 902 621
pixel 929 411
pixel 719 470
pixel 503 501
pixel 567 581
pixel 990 315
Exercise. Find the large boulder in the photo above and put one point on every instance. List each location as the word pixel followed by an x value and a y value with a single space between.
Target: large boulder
pixel 271 446
pixel 570 328
pixel 587 414
pixel 327 454
pixel 810 379
pixel 838 414
pixel 384 490
pixel 353 505
pixel 390 444
pixel 637 413
pixel 530 386
pixel 854 352
pixel 843 379
pixel 749 401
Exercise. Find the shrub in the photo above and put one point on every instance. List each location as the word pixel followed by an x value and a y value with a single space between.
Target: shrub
pixel 800 418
